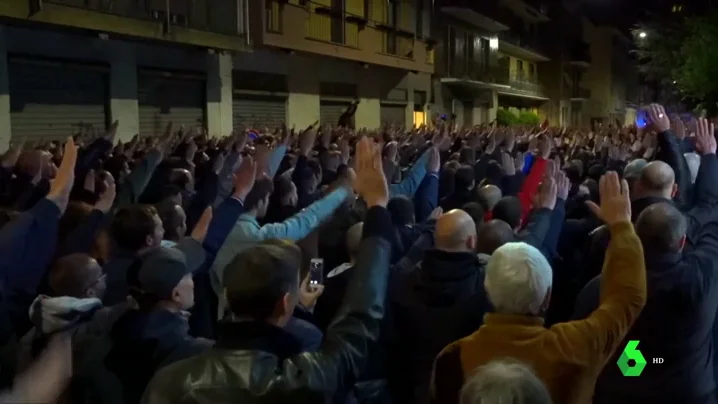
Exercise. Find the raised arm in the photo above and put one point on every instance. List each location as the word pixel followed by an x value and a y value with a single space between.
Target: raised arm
pixel 623 284
pixel 356 326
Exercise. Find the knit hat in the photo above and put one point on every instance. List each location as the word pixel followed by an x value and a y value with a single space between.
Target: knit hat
pixel 160 270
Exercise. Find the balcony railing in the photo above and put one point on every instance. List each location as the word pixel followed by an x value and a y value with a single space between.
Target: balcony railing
pixel 522 41
pixel 217 16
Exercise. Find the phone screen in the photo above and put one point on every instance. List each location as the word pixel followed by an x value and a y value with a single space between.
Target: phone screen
pixel 316 271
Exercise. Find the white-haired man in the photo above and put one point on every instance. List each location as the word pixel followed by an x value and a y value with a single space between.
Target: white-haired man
pixel 504 381
pixel 567 356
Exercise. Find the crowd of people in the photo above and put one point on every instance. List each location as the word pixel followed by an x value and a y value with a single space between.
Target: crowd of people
pixel 438 264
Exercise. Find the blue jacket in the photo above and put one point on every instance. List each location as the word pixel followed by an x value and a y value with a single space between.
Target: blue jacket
pixel 247 232
pixel 27 245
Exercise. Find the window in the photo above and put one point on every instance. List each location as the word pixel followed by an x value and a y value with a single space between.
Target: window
pixel 532 70
pixel 520 68
pixel 419 118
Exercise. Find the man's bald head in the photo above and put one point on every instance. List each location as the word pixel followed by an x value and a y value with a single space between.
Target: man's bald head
pixel 353 238
pixel 657 179
pixel 489 196
pixel 493 235
pixel 455 232
pixel 661 228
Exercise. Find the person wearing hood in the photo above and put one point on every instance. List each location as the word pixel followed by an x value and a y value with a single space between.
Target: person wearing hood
pixel 438 302
pixel 157 333
pixel 78 285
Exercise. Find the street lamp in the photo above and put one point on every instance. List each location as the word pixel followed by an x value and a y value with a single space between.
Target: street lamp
pixel 642 34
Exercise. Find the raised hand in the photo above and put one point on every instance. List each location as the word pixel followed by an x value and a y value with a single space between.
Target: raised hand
pixel 547 194
pixel 563 185
pixel 243 179
pixel 306 141
pixel 544 147
pixel 705 137
pixel 370 183
pixel 107 198
pixel 659 118
pixel 309 294
pixel 434 161
pixel 519 162
pixel 200 229
pixel 615 200
pixel 507 164
pixel 65 178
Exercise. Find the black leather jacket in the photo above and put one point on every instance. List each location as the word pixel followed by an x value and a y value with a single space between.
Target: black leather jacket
pixel 256 375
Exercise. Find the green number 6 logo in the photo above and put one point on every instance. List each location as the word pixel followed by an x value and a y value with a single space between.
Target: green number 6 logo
pixel 631 353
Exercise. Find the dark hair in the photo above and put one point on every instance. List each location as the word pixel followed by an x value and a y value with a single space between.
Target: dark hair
pixel 476 211
pixel 401 210
pixel 509 210
pixel 259 277
pixel 171 221
pixel 464 177
pixel 131 226
pixel 467 155
pixel 262 188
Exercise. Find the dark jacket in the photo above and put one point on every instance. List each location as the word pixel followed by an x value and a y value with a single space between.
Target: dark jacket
pixel 250 368
pixel 442 300
pixel 144 342
pixel 677 321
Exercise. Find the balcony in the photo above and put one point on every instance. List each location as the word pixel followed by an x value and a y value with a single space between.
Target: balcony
pixel 580 94
pixel 580 54
pixel 318 27
pixel 529 10
pixel 520 84
pixel 483 14
pixel 210 23
pixel 522 46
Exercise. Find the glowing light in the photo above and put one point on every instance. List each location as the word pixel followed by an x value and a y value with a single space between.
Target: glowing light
pixel 494 43
pixel 642 35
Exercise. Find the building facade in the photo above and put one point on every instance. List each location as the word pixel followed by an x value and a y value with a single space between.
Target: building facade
pixel 222 64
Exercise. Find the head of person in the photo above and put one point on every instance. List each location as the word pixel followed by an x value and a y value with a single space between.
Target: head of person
pixel 488 196
pixel 632 172
pixel 285 191
pixel 476 211
pixel 464 178
pixel 401 210
pixel 353 240
pixel 662 229
pixel 509 210
pixel 656 180
pixel 137 227
pixel 504 381
pixel 182 178
pixel 316 179
pixel 77 275
pixel 492 235
pixel 174 220
pixel 162 277
pixel 262 283
pixel 518 280
pixel 257 201
pixel 596 171
pixel 694 163
pixel 455 232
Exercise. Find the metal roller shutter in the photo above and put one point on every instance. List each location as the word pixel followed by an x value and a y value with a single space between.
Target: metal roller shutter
pixel 51 101
pixel 331 111
pixel 393 114
pixel 165 97
pixel 253 110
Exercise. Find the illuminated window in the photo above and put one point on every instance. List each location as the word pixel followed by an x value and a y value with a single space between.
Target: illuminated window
pixel 419 118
